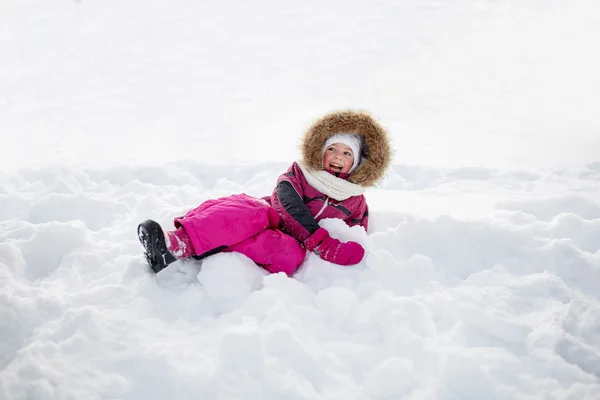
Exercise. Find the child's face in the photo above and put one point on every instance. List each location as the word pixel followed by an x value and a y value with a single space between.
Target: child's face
pixel 338 158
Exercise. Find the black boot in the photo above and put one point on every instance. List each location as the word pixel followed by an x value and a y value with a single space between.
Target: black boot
pixel 155 247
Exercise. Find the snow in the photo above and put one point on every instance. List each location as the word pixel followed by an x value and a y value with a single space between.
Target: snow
pixel 459 82
pixel 502 303
pixel 482 272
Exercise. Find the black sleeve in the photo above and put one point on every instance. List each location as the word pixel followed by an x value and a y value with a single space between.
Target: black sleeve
pixel 295 207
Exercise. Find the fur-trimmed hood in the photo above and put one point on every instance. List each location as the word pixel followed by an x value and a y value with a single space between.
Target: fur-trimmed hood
pixel 376 150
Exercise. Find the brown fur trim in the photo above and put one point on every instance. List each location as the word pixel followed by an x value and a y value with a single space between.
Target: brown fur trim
pixel 376 144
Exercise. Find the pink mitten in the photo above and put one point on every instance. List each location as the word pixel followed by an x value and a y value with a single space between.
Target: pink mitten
pixel 332 250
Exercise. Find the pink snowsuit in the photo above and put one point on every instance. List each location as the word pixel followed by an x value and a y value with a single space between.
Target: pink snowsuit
pixel 270 231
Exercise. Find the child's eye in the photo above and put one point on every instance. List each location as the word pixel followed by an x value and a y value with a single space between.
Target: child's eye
pixel 331 149
pixel 347 153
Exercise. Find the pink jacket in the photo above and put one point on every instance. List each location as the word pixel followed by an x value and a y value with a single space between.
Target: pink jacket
pixel 301 206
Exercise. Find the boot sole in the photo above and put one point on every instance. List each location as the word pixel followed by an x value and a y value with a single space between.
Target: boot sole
pixel 149 234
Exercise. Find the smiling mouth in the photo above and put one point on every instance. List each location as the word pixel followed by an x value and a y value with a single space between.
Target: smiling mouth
pixel 335 167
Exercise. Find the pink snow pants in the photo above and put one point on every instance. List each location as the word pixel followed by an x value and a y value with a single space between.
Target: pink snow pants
pixel 244 224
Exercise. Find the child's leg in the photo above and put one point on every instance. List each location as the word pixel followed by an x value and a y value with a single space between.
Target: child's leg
pixel 217 224
pixel 273 250
pixel 179 243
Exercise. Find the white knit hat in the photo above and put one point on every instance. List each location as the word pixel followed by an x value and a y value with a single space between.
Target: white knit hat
pixel 349 139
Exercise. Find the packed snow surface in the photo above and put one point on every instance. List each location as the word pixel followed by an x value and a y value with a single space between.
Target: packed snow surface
pixel 478 283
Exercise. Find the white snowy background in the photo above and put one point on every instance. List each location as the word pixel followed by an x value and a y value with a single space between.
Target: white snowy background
pixel 482 279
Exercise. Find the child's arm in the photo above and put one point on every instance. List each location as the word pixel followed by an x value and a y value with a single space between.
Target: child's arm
pixel 364 222
pixel 289 204
pixel 361 218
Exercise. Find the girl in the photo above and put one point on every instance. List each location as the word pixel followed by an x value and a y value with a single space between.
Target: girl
pixel 343 153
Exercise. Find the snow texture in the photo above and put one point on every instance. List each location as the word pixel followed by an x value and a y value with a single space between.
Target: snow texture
pixel 458 82
pixel 482 274
pixel 498 303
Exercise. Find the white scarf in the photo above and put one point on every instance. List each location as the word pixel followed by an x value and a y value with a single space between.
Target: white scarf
pixel 334 187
